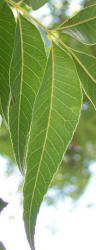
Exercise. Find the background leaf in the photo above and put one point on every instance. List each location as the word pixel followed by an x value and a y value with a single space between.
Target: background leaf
pixel 56 113
pixel 76 45
pixel 36 4
pixel 82 26
pixel 7 29
pixel 87 74
pixel 26 72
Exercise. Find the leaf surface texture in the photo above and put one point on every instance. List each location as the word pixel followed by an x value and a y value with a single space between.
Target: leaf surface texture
pixel 26 72
pixel 36 4
pixel 86 68
pixel 6 48
pixel 55 117
pixel 82 26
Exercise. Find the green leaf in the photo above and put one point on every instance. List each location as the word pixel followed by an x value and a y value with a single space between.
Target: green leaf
pixel 74 44
pixel 36 4
pixel 55 117
pixel 86 67
pixel 82 26
pixel 3 204
pixel 7 29
pixel 26 72
pixel 2 2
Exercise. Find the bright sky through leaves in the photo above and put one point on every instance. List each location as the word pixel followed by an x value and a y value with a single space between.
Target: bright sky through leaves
pixel 54 224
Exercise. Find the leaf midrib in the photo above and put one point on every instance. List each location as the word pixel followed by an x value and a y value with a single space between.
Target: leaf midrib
pixel 21 83
pixel 76 24
pixel 45 140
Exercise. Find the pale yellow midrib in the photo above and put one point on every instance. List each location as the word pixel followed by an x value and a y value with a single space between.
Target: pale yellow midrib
pixel 22 56
pixel 43 145
pixel 75 24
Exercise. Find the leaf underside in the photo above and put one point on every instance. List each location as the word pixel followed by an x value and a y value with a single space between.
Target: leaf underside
pixel 26 72
pixel 87 74
pixel 6 47
pixel 45 100
pixel 36 4
pixel 55 117
pixel 85 64
pixel 82 26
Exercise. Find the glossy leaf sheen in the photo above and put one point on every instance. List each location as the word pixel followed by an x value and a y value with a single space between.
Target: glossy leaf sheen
pixel 36 4
pixel 6 48
pixel 82 26
pixel 55 117
pixel 87 74
pixel 26 73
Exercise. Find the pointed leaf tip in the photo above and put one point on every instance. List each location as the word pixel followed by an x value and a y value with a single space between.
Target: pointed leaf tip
pixel 55 117
pixel 3 204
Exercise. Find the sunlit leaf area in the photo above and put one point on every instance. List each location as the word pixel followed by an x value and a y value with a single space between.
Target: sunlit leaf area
pixel 47 124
